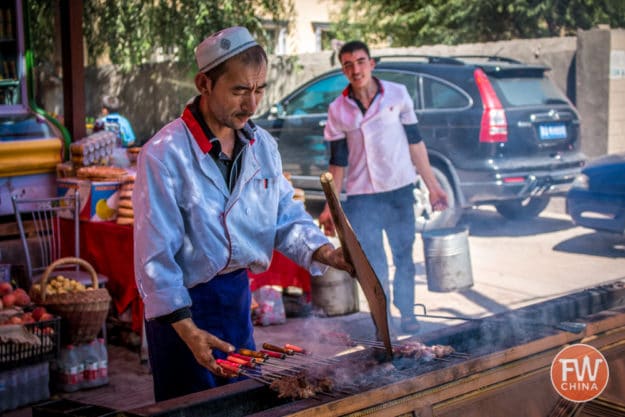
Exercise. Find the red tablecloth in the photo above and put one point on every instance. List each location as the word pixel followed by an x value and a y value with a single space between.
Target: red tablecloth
pixel 108 246
pixel 282 272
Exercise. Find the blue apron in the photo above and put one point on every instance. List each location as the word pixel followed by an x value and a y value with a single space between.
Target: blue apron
pixel 222 308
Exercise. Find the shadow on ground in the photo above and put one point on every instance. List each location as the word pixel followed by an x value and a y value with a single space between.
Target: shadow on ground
pixel 488 223
pixel 602 244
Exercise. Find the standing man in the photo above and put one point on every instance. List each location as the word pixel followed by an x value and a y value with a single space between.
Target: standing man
pixel 372 130
pixel 210 202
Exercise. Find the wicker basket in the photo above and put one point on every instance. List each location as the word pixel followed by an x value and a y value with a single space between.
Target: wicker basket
pixel 82 313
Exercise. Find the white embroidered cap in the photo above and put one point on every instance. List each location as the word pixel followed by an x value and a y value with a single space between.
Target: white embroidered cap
pixel 221 46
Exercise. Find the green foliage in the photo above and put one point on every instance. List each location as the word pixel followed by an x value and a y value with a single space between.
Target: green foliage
pixel 420 22
pixel 131 32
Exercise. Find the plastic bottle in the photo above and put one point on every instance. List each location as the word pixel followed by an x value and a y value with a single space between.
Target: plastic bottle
pixel 24 392
pixel 4 391
pixel 70 369
pixel 91 363
pixel 12 390
pixel 103 367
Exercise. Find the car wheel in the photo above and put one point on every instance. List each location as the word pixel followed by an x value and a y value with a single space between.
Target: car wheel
pixel 428 219
pixel 522 208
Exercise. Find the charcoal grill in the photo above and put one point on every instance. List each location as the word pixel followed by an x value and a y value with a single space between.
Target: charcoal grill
pixel 507 371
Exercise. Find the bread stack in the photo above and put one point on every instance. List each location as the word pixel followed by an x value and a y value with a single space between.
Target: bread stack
pixel 125 213
pixel 101 173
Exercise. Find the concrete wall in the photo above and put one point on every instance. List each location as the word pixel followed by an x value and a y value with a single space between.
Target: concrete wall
pixel 616 108
pixel 600 84
pixel 154 94
pixel 592 85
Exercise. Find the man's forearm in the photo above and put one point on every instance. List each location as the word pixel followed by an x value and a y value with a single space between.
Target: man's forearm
pixel 420 159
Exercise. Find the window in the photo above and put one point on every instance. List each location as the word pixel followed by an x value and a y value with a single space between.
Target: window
pixel 9 63
pixel 275 39
pixel 323 36
pixel 316 98
pixel 407 79
pixel 527 91
pixel 440 95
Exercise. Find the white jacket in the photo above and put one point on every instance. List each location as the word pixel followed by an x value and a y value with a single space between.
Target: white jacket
pixel 188 227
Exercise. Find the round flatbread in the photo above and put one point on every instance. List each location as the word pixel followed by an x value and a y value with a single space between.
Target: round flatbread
pixel 125 203
pixel 125 220
pixel 102 173
pixel 125 194
pixel 129 180
pixel 125 212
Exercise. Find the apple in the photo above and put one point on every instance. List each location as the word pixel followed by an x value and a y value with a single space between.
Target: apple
pixel 21 297
pixel 8 300
pixel 46 317
pixel 5 288
pixel 27 318
pixel 15 320
pixel 38 312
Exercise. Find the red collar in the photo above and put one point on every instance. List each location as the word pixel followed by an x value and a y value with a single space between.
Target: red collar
pixel 196 130
pixel 200 133
pixel 348 89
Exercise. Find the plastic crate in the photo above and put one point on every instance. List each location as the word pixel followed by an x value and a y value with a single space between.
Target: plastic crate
pixel 13 355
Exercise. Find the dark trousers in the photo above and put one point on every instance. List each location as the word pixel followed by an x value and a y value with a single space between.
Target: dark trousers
pixel 222 308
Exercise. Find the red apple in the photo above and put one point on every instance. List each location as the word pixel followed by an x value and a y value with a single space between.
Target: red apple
pixel 46 317
pixel 15 320
pixel 21 297
pixel 8 300
pixel 5 288
pixel 38 312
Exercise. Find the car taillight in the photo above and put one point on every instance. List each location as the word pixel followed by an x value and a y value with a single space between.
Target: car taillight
pixel 494 126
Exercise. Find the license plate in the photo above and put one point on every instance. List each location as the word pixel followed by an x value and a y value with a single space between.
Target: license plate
pixel 552 131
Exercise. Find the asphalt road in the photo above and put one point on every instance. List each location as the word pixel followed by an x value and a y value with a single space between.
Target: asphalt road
pixel 516 263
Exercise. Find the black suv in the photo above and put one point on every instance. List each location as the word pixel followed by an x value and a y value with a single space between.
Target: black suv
pixel 497 131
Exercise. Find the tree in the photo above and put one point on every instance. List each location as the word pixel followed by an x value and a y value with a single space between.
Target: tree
pixel 418 22
pixel 130 32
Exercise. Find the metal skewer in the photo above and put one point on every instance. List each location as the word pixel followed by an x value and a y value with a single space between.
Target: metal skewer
pixel 380 345
pixel 290 353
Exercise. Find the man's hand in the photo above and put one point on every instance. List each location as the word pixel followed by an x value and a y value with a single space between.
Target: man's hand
pixel 201 344
pixel 438 198
pixel 326 223
pixel 327 255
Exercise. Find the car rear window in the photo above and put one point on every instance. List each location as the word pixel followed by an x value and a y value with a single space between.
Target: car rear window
pixel 527 91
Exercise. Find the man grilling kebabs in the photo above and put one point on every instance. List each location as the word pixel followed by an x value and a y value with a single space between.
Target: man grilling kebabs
pixel 210 201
